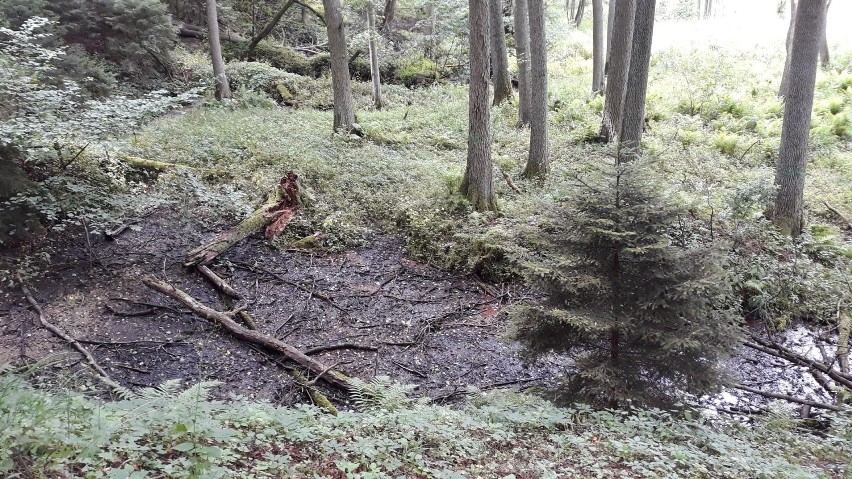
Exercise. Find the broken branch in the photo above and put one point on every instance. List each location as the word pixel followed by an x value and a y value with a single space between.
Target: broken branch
pixel 785 397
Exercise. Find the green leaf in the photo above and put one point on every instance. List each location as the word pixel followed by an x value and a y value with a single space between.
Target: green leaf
pixel 184 447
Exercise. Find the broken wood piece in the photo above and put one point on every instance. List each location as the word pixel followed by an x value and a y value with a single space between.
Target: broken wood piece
pixel 129 314
pixel 101 373
pixel 335 347
pixel 511 183
pixel 839 214
pixel 785 353
pixel 411 370
pixel 274 215
pixel 217 281
pixel 334 378
pixel 319 399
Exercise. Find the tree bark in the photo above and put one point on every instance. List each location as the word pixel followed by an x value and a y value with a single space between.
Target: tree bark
pixel 374 56
pixel 610 23
pixel 389 13
pixel 581 11
pixel 522 51
pixel 637 81
pixel 477 185
pixel 597 46
pixel 795 132
pixel 344 108
pixel 824 54
pixel 269 27
pixel 708 9
pixel 785 77
pixel 538 163
pixel 498 52
pixel 223 90
pixel 619 68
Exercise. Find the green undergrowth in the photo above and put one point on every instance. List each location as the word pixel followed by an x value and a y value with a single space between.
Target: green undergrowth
pixel 182 433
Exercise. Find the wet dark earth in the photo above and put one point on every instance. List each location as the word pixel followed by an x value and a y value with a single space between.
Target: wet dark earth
pixel 369 312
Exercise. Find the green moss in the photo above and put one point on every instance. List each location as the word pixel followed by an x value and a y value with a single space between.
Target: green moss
pixel 418 72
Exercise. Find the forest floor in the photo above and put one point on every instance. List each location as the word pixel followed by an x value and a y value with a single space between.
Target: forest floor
pixel 381 314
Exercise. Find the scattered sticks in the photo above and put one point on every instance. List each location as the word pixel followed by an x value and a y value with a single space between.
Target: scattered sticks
pixel 102 374
pixel 785 397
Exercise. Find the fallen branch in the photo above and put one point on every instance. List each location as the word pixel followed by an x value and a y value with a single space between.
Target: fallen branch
pixel 274 215
pixel 411 370
pixel 102 375
pixel 785 397
pixel 839 214
pixel 332 377
pixel 218 282
pixel 784 353
pixel 511 183
pixel 269 27
pixel 335 347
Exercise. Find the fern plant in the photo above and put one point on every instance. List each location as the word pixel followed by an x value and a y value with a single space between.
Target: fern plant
pixel 381 393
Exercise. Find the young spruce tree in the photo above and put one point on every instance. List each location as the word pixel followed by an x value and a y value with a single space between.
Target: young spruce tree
pixel 645 311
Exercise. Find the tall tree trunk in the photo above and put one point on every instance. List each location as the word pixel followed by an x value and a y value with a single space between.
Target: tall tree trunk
pixel 570 8
pixel 522 51
pixel 432 31
pixel 795 132
pixel 499 53
pixel 477 185
pixel 389 13
pixel 538 163
pixel 581 11
pixel 637 81
pixel 374 55
pixel 708 9
pixel 698 10
pixel 223 90
pixel 597 46
pixel 619 68
pixel 785 77
pixel 344 108
pixel 269 27
pixel 610 23
pixel 824 55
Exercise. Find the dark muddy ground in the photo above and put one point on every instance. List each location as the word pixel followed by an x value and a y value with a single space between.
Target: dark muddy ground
pixel 440 331
pixel 383 315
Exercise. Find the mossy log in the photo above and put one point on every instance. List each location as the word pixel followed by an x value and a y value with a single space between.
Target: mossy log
pixel 317 397
pixel 322 371
pixel 274 215
pixel 844 326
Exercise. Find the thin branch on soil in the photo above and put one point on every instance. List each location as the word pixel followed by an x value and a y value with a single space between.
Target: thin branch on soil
pixel 273 274
pixel 74 343
pixel 333 377
pixel 411 370
pixel 839 214
pixel 784 353
pixel 130 343
pixel 142 303
pixel 218 282
pixel 386 282
pixel 130 314
pixel 335 347
pixel 785 397
pixel 511 183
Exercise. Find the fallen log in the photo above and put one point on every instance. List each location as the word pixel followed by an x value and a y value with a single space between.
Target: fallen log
pixel 101 373
pixel 274 215
pixel 838 214
pixel 334 378
pixel 785 353
pixel 785 397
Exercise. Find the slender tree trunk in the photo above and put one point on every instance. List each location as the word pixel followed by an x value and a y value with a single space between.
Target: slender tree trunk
pixel 499 53
pixel 570 8
pixel 374 56
pixel 610 23
pixel 698 10
pixel 344 108
pixel 782 90
pixel 708 9
pixel 795 132
pixel 597 46
pixel 619 68
pixel 522 51
pixel 389 13
pixel 432 31
pixel 581 11
pixel 824 54
pixel 637 81
pixel 538 163
pixel 269 27
pixel 477 185
pixel 223 90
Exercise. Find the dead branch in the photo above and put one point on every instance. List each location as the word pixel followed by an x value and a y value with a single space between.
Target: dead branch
pixel 785 397
pixel 129 314
pixel 511 183
pixel 332 377
pixel 273 274
pixel 411 370
pixel 102 375
pixel 335 347
pixel 218 282
pixel 274 215
pixel 840 215
pixel 784 353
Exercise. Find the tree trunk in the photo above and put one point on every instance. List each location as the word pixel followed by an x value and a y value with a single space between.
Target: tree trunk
pixel 785 77
pixel 581 11
pixel 344 108
pixel 269 27
pixel 708 9
pixel 637 81
pixel 477 184
pixel 431 32
pixel 538 163
pixel 389 13
pixel 570 8
pixel 223 90
pixel 374 56
pixel 795 132
pixel 522 51
pixel 824 55
pixel 610 23
pixel 619 68
pixel 499 53
pixel 597 46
